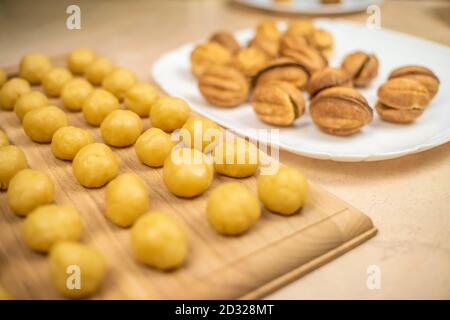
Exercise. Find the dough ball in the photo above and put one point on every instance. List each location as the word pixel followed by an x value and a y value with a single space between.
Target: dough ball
pixel 98 105
pixel 153 147
pixel 95 165
pixel 30 101
pixel 169 113
pixel 121 128
pixel 284 192
pixel 40 124
pixel 187 172
pixel 159 240
pixel 12 160
pixel 68 260
pixel 55 80
pixel 126 199
pixel 140 98
pixel 232 208
pixel 12 90
pixel 29 189
pixel 80 59
pixel 119 81
pixel 49 224
pixel 75 92
pixel 67 141
pixel 34 66
pixel 98 70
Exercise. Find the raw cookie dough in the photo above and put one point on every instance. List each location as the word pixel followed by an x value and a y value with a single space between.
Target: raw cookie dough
pixel 119 81
pixel 121 128
pixel 29 101
pixel 80 59
pixel 126 199
pixel 98 105
pixel 232 208
pixel 40 124
pixel 49 224
pixel 12 160
pixel 95 165
pixel 236 158
pixel 284 192
pixel 89 260
pixel 200 133
pixel 140 98
pixel 98 70
pixel 34 66
pixel 187 172
pixel 67 141
pixel 29 189
pixel 169 113
pixel 159 240
pixel 55 80
pixel 75 92
pixel 4 141
pixel 153 147
pixel 12 90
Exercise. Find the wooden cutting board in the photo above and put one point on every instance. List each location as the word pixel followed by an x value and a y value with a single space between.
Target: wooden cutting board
pixel 274 252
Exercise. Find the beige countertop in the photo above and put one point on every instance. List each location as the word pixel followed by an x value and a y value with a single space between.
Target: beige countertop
pixel 408 198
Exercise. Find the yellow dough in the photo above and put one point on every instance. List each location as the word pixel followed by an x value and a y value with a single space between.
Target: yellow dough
pixel 236 158
pixel 200 133
pixel 29 101
pixel 98 70
pixel 284 192
pixel 4 141
pixel 119 81
pixel 73 261
pixel 3 77
pixel 12 90
pixel 153 147
pixel 169 113
pixel 75 92
pixel 140 98
pixel 4 295
pixel 80 59
pixel 187 172
pixel 29 189
pixel 67 141
pixel 49 224
pixel 159 240
pixel 12 160
pixel 40 124
pixel 34 66
pixel 55 80
pixel 232 208
pixel 126 199
pixel 95 165
pixel 98 105
pixel 121 128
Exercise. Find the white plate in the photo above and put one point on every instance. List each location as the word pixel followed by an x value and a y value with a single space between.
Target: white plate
pixel 378 140
pixel 311 6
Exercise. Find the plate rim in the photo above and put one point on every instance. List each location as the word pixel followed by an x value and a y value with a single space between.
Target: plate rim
pixel 330 10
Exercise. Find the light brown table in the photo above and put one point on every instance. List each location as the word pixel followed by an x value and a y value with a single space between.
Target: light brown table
pixel 408 198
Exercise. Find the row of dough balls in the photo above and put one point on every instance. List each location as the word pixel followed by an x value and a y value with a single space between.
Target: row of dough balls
pixel 48 227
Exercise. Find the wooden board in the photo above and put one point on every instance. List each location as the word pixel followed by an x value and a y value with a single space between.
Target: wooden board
pixel 274 252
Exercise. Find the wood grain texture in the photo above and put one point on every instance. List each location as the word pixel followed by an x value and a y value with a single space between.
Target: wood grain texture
pixel 274 252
